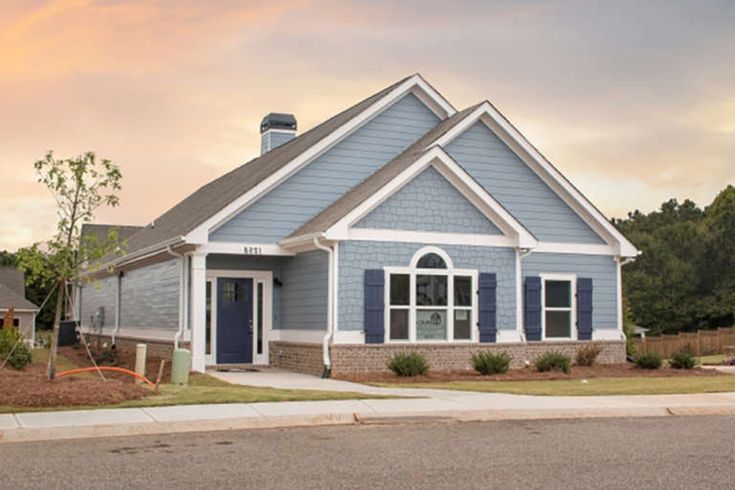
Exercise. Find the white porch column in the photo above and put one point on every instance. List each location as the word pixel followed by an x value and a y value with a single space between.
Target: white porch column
pixel 198 310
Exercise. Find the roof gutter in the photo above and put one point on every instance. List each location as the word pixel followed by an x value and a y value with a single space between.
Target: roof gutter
pixel 143 253
pixel 326 341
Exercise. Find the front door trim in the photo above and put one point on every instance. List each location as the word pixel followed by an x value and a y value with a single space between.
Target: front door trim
pixel 259 277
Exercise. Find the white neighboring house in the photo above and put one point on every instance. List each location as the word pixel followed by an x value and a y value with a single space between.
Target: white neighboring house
pixel 12 295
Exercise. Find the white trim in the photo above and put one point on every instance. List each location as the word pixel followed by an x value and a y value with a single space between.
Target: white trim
pixel 508 336
pixel 378 235
pixel 335 300
pixel 198 311
pixel 349 337
pixel 412 271
pixel 258 277
pixel 619 293
pixel 572 278
pixel 201 233
pixel 575 248
pixel 497 123
pixel 442 162
pixel 607 334
pixel 278 130
pixel 298 335
pixel 245 248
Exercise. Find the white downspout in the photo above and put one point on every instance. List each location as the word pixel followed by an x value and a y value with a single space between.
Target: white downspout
pixel 182 295
pixel 330 309
pixel 521 253
pixel 619 279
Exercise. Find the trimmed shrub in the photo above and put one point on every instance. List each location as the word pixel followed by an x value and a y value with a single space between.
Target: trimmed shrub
pixel 14 348
pixel 587 355
pixel 683 360
pixel 652 360
pixel 491 363
pixel 553 361
pixel 408 364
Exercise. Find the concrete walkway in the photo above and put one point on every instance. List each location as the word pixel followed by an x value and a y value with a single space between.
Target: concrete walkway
pixel 424 405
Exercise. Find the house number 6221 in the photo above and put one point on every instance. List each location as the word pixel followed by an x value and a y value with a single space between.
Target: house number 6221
pixel 250 250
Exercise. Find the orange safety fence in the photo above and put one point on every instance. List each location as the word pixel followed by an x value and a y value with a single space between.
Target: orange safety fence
pixel 107 368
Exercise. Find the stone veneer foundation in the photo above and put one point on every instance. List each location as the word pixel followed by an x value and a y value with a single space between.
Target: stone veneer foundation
pixel 362 358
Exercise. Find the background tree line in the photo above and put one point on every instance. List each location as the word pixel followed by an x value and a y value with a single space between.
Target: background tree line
pixel 685 278
pixel 683 281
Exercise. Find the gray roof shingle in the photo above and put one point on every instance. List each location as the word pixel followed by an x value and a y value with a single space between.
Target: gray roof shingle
pixel 10 298
pixel 13 278
pixel 214 196
pixel 352 198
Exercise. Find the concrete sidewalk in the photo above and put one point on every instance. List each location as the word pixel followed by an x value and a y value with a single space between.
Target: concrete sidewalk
pixel 429 405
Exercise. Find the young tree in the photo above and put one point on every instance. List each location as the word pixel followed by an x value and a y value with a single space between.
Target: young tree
pixel 79 186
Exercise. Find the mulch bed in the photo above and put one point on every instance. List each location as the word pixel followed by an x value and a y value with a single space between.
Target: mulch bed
pixel 30 388
pixel 121 358
pixel 578 372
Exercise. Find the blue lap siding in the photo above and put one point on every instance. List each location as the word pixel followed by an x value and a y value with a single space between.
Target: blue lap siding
pixel 324 180
pixel 509 180
pixel 355 257
pixel 602 269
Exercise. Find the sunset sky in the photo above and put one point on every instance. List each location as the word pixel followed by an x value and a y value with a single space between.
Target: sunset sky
pixel 633 101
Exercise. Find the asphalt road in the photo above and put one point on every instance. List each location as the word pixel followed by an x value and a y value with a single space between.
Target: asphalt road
pixel 670 453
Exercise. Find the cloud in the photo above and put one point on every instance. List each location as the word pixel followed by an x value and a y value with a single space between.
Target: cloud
pixel 634 102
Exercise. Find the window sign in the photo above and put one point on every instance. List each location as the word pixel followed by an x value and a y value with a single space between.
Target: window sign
pixel 431 324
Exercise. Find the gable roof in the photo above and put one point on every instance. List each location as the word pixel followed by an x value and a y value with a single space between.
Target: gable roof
pixel 14 279
pixel 213 197
pixel 390 179
pixel 322 221
pixel 537 162
pixel 10 298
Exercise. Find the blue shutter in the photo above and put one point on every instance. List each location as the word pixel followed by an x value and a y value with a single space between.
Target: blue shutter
pixel 374 306
pixel 532 308
pixel 584 308
pixel 487 302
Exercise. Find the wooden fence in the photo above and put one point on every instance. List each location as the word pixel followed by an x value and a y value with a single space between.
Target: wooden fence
pixel 699 343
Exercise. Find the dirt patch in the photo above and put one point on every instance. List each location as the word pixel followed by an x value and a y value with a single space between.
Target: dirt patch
pixel 118 358
pixel 529 374
pixel 29 388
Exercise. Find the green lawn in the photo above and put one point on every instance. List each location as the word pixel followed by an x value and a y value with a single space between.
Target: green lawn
pixel 594 386
pixel 715 359
pixel 206 389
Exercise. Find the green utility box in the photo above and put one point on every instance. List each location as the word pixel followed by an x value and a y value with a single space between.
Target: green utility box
pixel 180 367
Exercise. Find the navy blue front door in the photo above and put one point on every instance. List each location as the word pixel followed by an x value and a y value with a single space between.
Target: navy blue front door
pixel 234 320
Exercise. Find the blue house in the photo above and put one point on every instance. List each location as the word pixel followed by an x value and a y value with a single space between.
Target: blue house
pixel 399 224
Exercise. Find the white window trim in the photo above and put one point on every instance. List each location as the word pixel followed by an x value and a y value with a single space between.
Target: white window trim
pixel 450 272
pixel 258 277
pixel 572 278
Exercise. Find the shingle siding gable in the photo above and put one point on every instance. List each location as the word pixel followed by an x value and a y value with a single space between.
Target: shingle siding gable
pixel 324 180
pixel 429 203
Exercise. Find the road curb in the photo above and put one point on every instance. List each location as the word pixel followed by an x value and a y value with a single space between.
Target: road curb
pixel 242 423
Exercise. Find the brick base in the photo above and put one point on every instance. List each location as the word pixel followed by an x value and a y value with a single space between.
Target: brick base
pixel 156 348
pixel 361 358
pixel 356 358
pixel 296 356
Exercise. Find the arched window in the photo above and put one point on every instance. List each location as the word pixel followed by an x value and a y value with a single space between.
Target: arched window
pixel 430 300
pixel 431 261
